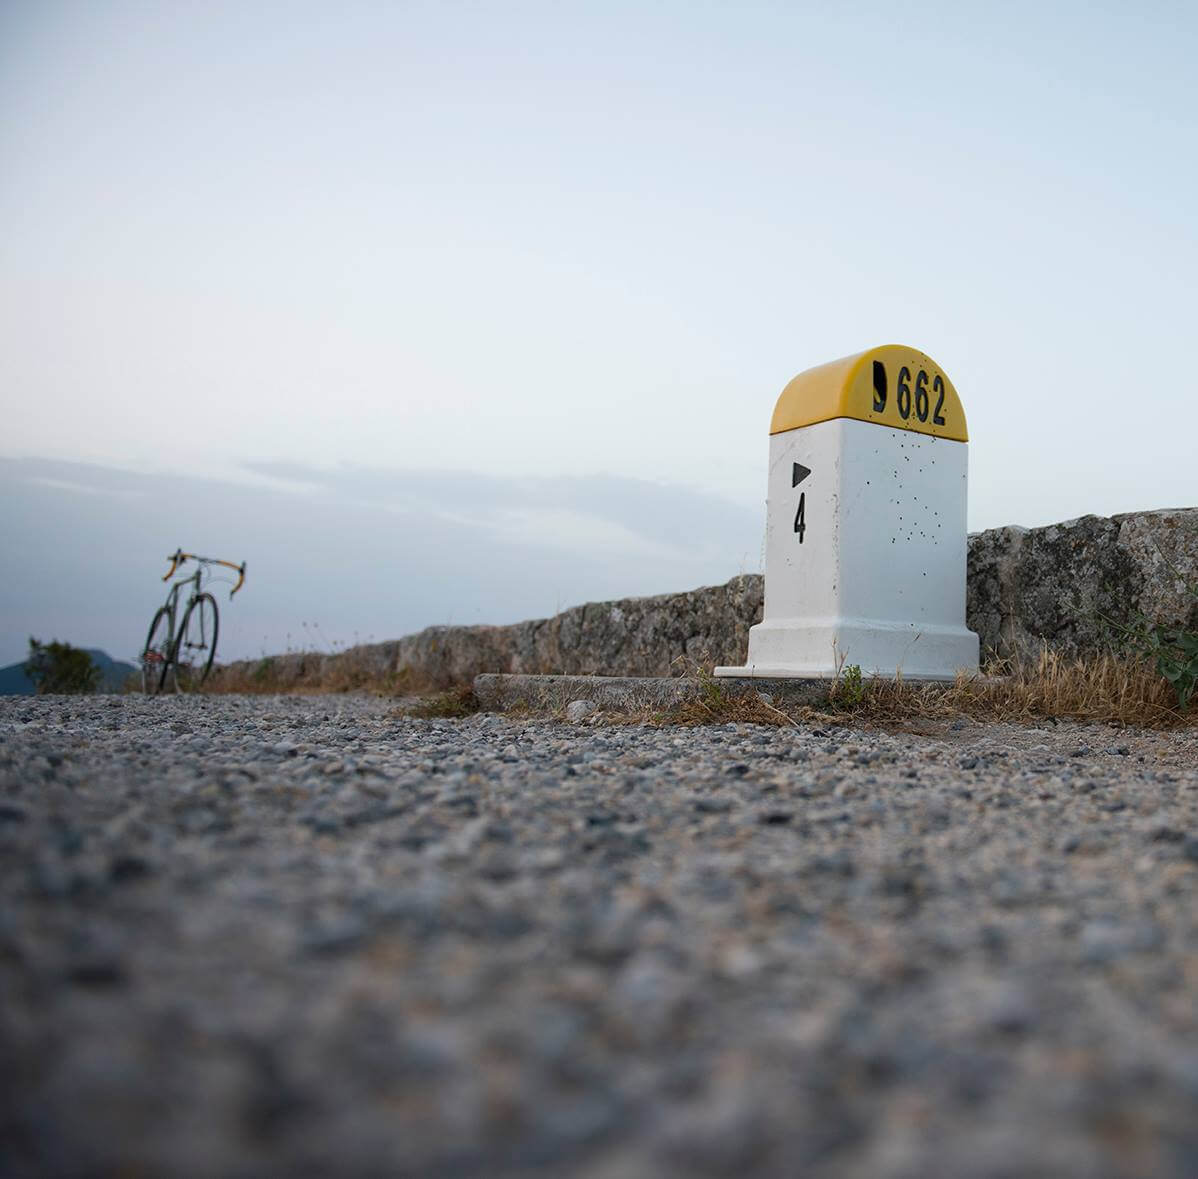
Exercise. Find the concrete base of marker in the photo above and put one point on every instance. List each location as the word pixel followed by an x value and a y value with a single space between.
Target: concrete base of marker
pixel 784 648
pixel 628 694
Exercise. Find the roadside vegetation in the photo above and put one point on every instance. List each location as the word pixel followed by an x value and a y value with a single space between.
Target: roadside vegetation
pixel 1107 688
pixel 457 702
pixel 1173 651
pixel 356 669
pixel 1104 688
pixel 56 667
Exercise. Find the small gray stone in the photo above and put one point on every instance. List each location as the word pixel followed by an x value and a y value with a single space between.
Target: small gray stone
pixel 578 710
pixel 334 937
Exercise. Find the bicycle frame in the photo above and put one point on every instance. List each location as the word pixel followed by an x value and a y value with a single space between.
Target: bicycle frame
pixel 172 597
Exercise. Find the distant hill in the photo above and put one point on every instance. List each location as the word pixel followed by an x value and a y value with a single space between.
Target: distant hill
pixel 114 675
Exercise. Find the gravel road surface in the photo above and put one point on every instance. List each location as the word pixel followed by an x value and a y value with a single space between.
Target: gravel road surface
pixel 311 936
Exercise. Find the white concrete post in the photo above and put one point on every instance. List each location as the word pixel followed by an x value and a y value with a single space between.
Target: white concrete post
pixel 865 524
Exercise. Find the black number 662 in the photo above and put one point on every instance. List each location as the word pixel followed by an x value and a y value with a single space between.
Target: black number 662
pixel 902 394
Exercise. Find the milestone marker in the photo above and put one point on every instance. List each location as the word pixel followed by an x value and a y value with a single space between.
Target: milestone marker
pixel 865 563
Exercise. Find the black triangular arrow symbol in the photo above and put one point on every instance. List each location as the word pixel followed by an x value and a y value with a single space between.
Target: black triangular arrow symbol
pixel 800 473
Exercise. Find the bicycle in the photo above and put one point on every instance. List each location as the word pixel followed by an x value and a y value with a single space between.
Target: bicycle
pixel 191 649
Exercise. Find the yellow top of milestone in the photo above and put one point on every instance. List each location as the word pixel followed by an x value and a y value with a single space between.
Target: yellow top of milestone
pixel 891 386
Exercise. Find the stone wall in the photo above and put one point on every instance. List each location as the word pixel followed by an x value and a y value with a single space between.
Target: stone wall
pixel 1026 587
pixel 665 635
pixel 1066 583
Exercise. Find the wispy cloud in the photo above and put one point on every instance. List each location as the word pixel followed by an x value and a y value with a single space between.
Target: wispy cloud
pixel 635 515
pixel 82 488
pixel 575 532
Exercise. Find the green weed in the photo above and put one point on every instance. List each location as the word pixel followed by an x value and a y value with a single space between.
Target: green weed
pixel 849 689
pixel 1173 651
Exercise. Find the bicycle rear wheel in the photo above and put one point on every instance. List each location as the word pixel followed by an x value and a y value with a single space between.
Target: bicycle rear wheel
pixel 196 648
pixel 156 657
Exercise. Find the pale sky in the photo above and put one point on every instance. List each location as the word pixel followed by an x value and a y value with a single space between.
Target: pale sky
pixel 587 241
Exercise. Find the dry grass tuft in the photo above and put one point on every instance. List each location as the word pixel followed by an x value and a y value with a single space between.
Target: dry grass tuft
pixel 1103 688
pixel 456 702
pixel 716 705
pixel 312 672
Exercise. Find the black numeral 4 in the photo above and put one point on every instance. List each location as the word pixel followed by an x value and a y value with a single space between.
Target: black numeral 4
pixel 800 521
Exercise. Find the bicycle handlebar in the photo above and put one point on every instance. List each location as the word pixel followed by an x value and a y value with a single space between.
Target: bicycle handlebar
pixel 179 556
pixel 176 559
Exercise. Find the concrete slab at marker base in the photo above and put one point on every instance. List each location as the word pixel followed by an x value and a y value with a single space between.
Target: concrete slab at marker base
pixel 541 693
pixel 551 693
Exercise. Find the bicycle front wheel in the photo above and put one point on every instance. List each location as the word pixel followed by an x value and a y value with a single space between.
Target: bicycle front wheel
pixel 156 657
pixel 196 648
